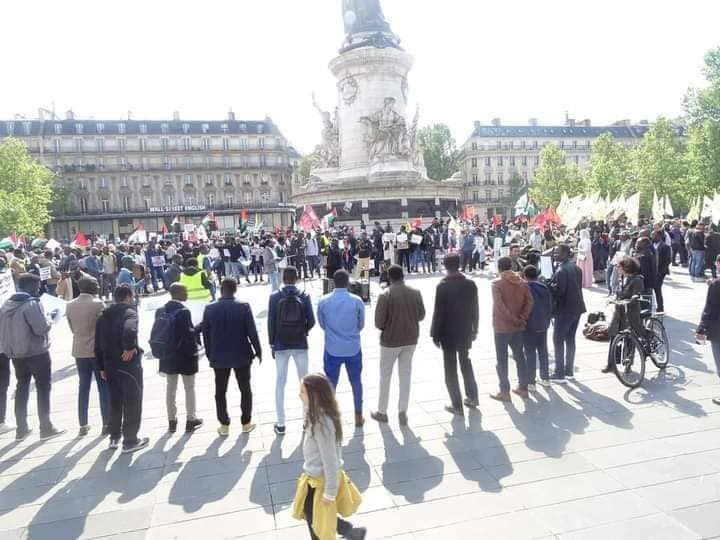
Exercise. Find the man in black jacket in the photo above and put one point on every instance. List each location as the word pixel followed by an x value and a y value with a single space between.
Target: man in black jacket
pixel 454 328
pixel 118 356
pixel 664 258
pixel 181 359
pixel 566 287
pixel 709 327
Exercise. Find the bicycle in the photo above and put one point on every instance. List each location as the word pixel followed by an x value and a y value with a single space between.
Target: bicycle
pixel 629 351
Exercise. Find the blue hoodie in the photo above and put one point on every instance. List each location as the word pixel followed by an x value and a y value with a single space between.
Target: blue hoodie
pixel 542 307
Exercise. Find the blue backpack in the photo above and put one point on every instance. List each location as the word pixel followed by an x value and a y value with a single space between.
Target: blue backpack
pixel 162 335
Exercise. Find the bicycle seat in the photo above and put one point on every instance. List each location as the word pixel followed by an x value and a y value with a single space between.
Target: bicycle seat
pixel 644 313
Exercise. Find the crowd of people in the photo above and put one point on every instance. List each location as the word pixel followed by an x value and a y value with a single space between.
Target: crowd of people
pixel 103 282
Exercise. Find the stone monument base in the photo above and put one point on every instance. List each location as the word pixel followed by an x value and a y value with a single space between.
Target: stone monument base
pixel 376 198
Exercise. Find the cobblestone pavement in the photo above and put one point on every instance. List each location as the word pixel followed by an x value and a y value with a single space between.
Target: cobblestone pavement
pixel 586 460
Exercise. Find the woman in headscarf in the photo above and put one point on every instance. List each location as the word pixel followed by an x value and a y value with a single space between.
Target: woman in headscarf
pixel 585 258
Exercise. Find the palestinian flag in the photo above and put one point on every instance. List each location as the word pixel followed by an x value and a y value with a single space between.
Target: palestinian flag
pixel 242 224
pixel 9 242
pixel 329 219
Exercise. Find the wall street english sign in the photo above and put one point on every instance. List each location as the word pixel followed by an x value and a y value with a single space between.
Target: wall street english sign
pixel 179 208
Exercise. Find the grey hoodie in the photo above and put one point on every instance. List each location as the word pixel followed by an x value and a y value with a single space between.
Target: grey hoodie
pixel 24 328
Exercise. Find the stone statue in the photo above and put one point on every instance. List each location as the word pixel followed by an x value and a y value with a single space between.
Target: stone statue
pixel 364 16
pixel 327 153
pixel 414 148
pixel 366 19
pixel 386 132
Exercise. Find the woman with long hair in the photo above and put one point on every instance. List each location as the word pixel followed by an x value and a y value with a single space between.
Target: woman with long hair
pixel 323 490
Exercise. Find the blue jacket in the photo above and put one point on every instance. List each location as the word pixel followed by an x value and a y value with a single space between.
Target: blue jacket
pixel 542 307
pixel 231 339
pixel 275 298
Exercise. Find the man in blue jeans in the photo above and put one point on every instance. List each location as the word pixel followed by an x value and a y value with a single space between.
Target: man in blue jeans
pixel 342 316
pixel 535 335
pixel 697 251
pixel 290 319
pixel 566 288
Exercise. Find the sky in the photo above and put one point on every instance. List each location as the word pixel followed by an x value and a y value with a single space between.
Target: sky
pixel 474 59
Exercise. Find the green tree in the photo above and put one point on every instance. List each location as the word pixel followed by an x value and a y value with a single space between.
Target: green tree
pixel 304 168
pixel 659 165
pixel 64 197
pixel 439 150
pixel 517 187
pixel 609 168
pixel 555 177
pixel 703 109
pixel 25 190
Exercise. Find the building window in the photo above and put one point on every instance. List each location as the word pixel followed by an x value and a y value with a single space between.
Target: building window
pixel 188 163
pixel 228 162
pixel 146 181
pixel 474 146
pixel 588 144
pixel 122 145
pixel 189 200
pixel 524 161
pixel 81 183
pixel 574 144
pixel 186 128
pixel 205 128
pixel 206 145
pixel 188 180
pixel 167 180
pixel 512 161
pixel 146 203
pixel 473 163
pixel 475 179
pixel 83 205
pixel 164 144
pixel 57 146
pixel 500 161
pixel 79 129
pixel 230 200
pixel 260 128
pixel 58 129
pixel 248 197
pixel 78 145
pixel 210 198
pixel 265 196
pixel 512 145
pixel 100 128
pixel 522 145
pixel 488 194
pixel 10 127
pixel 123 163
pixel 263 160
pixel 124 182
pixel 228 180
pixel 209 180
pixel 143 145
pixel 243 143
pixel 164 128
pixel 105 205
pixel 501 194
pixel 247 180
pixel 488 179
pixel 224 128
pixel 170 199
pixel 126 203
pixel 500 179
pixel 143 128
pixel 186 144
pixel 121 128
pixel 261 142
pixel 100 164
pixel 475 196
pixel 535 145
pixel 100 144
pixel 487 161
pixel 226 143
pixel 243 128
pixel 499 145
pixel 103 182
pixel 562 145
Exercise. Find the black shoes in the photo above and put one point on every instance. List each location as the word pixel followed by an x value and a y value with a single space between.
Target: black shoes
pixel 172 426
pixel 279 430
pixel 139 445
pixel 357 533
pixel 51 434
pixel 22 434
pixel 192 425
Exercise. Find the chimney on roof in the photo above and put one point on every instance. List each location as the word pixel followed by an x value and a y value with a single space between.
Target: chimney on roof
pixel 569 122
pixel 231 115
pixel 69 115
pixel 176 116
pixel 624 122
pixel 584 123
pixel 533 122
pixel 496 122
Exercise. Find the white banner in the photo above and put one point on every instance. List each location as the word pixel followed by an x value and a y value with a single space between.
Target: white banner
pixel 7 286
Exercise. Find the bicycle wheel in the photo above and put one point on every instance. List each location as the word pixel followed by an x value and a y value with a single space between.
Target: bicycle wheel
pixel 660 345
pixel 628 359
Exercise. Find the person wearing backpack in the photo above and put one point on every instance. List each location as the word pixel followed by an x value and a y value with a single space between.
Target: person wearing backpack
pixel 290 319
pixel 173 341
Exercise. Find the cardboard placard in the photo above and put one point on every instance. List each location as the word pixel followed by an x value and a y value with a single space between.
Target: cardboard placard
pixel 158 260
pixel 416 239
pixel 402 238
pixel 45 273
pixel 7 286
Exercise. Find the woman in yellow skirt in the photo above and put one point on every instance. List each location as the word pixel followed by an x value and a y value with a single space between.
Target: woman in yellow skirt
pixel 324 490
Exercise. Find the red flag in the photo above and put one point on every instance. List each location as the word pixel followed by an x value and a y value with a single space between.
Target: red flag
pixel 80 240
pixel 469 212
pixel 417 224
pixel 309 219
pixel 243 215
pixel 13 238
pixel 497 220
pixel 163 229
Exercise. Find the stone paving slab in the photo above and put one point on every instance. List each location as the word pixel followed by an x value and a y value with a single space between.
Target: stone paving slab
pixel 583 461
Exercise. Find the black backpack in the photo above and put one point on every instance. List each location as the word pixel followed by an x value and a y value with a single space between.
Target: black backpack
pixel 162 335
pixel 290 320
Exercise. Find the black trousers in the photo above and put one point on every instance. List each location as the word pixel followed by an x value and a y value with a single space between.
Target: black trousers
pixel 38 368
pixel 242 375
pixel 4 385
pixel 343 527
pixel 451 357
pixel 404 259
pixel 126 395
pixel 658 292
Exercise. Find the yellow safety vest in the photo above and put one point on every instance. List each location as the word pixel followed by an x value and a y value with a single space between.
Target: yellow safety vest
pixel 194 285
pixel 201 263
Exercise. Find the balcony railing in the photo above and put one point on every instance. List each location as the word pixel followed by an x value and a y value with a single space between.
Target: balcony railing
pixel 177 209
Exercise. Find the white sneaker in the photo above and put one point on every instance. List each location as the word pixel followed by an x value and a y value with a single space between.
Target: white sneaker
pixel 570 377
pixel 544 382
pixel 4 428
pixel 531 388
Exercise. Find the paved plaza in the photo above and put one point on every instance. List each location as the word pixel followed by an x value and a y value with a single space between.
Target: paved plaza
pixel 586 460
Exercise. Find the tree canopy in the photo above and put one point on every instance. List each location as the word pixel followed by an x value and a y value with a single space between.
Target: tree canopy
pixel 25 190
pixel 439 150
pixel 555 177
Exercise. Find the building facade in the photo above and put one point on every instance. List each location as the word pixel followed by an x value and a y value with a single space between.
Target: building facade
pixel 117 174
pixel 500 160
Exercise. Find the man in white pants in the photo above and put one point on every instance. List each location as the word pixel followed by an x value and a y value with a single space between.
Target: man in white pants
pixel 398 314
